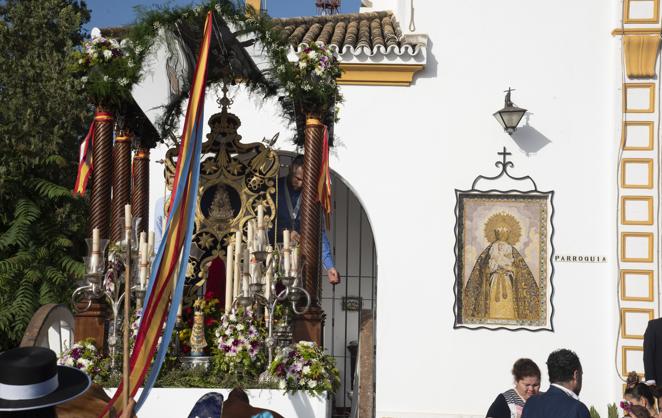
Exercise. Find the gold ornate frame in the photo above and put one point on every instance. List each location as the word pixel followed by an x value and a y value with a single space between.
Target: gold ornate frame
pixel 245 175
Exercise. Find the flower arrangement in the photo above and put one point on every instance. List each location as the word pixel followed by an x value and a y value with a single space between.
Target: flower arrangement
pixel 309 82
pixel 304 366
pixel 84 356
pixel 107 68
pixel 240 341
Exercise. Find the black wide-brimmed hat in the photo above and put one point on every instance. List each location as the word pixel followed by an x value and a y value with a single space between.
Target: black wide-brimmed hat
pixel 30 378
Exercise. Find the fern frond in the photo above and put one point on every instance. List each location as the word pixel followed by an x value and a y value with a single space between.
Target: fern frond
pixel 49 189
pixel 25 213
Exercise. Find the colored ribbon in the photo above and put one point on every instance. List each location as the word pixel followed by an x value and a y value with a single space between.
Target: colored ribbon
pixel 161 301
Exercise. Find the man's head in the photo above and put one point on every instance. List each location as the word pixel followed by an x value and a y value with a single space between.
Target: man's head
pixel 564 369
pixel 295 178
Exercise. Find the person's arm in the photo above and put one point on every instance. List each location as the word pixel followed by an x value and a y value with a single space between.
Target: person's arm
pixel 649 354
pixel 327 260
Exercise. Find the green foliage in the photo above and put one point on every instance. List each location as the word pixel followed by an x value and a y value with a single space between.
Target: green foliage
pixel 42 121
pixel 307 89
pixel 612 411
pixel 594 412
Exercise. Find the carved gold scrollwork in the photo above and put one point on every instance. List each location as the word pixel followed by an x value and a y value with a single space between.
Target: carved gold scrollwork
pixel 235 178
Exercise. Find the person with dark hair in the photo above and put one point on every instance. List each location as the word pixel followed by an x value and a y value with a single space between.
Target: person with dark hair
pixel 238 406
pixel 289 193
pixel 638 393
pixel 562 398
pixel 509 404
pixel 638 411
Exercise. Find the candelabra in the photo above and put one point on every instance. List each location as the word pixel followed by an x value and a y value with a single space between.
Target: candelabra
pixel 106 279
pixel 262 265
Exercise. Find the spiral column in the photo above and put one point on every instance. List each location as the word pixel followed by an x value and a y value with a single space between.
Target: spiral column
pixel 140 189
pixel 102 173
pixel 309 326
pixel 121 184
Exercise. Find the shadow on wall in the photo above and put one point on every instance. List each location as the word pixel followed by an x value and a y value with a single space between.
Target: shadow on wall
pixel 529 139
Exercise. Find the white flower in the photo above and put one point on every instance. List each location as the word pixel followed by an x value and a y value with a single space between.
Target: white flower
pixel 106 78
pixel 302 64
pixel 282 384
pixel 130 63
pixel 80 61
pixel 312 55
pixel 123 81
pixel 96 33
pixel 69 362
pixel 114 43
pixel 233 317
pixel 312 383
pixel 157 25
pixel 306 369
pixel 218 7
pixel 240 327
pixel 319 71
pixel 107 54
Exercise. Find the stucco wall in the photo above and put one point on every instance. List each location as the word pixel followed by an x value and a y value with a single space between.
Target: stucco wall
pixel 404 150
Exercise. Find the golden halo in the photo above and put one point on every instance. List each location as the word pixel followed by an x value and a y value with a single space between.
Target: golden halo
pixel 503 220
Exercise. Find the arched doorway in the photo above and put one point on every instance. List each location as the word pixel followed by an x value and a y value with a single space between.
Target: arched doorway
pixel 351 306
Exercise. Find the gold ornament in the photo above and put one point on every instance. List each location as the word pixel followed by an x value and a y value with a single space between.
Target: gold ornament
pixel 503 226
pixel 198 341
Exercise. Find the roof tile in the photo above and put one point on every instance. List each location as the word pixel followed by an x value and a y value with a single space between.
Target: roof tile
pixel 355 30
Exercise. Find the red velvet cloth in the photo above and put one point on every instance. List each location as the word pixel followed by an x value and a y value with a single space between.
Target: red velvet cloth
pixel 216 280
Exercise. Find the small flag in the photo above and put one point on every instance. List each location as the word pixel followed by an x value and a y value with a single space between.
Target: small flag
pixel 324 182
pixel 85 162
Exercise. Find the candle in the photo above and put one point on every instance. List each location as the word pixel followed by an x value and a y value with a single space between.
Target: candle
pixel 127 216
pixel 94 258
pixel 237 263
pixel 286 239
pixel 286 262
pixel 251 233
pixel 246 261
pixel 96 237
pixel 143 264
pixel 260 216
pixel 150 244
pixel 295 261
pixel 269 276
pixel 229 261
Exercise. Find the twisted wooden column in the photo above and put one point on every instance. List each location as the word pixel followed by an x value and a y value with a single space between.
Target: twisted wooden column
pixel 140 190
pixel 308 327
pixel 310 206
pixel 102 173
pixel 121 184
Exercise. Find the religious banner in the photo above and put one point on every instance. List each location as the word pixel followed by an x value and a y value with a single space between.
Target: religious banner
pixel 503 265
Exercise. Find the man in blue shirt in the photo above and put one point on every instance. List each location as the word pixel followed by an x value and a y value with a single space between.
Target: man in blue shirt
pixel 289 194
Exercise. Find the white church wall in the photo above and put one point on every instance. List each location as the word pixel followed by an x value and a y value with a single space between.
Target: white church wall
pixel 433 137
pixel 404 150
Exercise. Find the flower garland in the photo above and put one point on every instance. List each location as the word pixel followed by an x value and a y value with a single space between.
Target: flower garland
pixel 305 366
pixel 240 341
pixel 85 357
pixel 108 69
